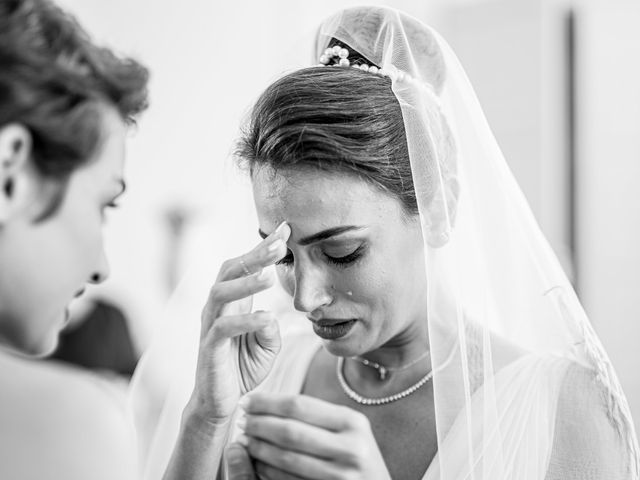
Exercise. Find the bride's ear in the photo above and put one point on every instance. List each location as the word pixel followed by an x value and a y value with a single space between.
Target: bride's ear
pixel 18 176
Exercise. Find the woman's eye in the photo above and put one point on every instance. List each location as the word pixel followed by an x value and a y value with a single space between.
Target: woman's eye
pixel 287 259
pixel 348 259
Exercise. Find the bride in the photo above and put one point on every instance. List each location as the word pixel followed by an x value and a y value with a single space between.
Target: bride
pixel 444 340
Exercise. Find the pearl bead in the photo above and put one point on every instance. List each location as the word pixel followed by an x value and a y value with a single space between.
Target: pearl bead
pixel 364 67
pixel 336 49
pixel 328 52
pixel 324 59
pixel 373 69
pixel 344 53
pixel 344 62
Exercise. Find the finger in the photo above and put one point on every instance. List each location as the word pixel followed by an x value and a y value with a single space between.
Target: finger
pixel 268 337
pixel 294 435
pixel 292 462
pixel 233 325
pixel 239 466
pixel 265 471
pixel 225 292
pixel 305 409
pixel 266 253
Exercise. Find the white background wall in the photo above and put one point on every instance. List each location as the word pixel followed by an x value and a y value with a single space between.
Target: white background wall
pixel 609 182
pixel 209 60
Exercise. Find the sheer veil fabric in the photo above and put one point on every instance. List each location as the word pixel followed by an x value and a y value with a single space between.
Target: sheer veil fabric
pixel 523 387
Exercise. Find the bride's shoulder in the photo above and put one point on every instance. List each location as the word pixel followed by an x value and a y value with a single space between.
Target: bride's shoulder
pixel 48 411
pixel 593 438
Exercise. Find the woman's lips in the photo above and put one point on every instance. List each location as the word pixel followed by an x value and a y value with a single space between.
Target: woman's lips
pixel 332 329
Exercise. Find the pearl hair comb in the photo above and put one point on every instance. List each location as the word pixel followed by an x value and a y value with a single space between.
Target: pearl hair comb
pixel 340 56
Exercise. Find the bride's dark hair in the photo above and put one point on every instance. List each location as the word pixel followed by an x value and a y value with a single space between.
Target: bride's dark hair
pixel 334 119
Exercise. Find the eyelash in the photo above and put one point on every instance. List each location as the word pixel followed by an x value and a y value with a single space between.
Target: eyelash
pixel 339 261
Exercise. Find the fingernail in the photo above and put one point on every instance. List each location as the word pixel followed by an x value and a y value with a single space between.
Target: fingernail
pixel 279 227
pixel 275 245
pixel 242 423
pixel 243 440
pixel 272 326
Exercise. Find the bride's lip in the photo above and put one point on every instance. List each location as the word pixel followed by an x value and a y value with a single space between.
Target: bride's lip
pixel 329 322
pixel 333 329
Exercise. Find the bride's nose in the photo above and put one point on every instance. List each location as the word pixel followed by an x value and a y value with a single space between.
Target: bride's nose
pixel 312 289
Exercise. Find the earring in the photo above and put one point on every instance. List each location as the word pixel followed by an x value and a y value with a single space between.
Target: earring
pixel 439 239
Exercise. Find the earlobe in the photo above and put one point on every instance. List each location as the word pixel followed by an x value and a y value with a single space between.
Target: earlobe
pixel 15 166
pixel 442 215
pixel 439 239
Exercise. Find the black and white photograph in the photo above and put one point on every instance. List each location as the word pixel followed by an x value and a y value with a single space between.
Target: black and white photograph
pixel 319 240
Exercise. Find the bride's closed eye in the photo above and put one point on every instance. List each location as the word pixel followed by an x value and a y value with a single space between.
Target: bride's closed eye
pixel 287 259
pixel 332 256
pixel 344 260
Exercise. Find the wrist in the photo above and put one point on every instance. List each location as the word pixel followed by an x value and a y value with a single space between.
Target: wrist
pixel 197 418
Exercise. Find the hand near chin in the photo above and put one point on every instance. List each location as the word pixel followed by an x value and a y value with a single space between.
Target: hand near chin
pixel 237 346
pixel 301 437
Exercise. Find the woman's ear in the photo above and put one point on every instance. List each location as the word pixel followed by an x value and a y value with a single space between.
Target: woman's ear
pixel 18 176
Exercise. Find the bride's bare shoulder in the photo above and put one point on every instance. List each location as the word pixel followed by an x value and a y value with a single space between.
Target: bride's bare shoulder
pixel 592 437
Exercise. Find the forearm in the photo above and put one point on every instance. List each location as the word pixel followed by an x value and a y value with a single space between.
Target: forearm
pixel 198 450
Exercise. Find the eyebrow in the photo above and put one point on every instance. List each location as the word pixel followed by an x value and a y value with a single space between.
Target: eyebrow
pixel 323 235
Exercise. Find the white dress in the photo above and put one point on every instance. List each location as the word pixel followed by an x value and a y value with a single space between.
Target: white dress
pixel 531 396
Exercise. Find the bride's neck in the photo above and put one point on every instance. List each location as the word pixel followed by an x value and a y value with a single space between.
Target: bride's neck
pixel 401 350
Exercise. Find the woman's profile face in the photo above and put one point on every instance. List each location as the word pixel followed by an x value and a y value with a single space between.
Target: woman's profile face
pixel 46 264
pixel 355 263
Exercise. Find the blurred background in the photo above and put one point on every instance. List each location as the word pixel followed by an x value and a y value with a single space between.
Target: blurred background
pixel 559 82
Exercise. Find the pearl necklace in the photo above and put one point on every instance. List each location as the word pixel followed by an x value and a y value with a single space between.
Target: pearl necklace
pixel 384 371
pixel 356 397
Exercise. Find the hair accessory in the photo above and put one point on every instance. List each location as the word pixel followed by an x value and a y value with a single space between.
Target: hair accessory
pixel 340 56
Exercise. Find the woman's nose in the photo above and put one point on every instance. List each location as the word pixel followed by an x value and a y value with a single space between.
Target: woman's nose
pixel 312 291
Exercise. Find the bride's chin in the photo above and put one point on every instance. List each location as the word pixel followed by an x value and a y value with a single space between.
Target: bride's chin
pixel 345 347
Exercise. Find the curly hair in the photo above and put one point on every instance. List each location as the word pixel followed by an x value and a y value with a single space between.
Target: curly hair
pixel 54 81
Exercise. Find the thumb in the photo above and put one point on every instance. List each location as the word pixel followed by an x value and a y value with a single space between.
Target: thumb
pixel 238 462
pixel 269 337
